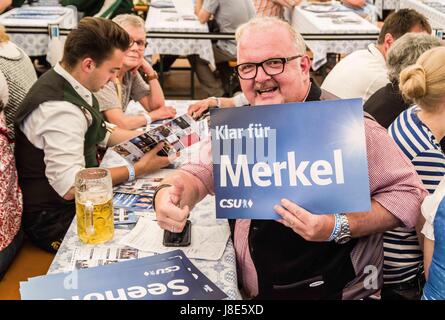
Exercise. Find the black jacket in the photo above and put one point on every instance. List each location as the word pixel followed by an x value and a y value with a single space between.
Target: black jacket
pixel 386 104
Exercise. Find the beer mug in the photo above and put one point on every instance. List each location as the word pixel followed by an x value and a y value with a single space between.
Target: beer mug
pixel 94 205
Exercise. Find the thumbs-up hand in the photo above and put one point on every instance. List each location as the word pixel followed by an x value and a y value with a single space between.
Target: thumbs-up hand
pixel 169 214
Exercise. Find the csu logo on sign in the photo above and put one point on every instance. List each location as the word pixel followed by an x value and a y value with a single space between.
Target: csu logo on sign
pixel 236 203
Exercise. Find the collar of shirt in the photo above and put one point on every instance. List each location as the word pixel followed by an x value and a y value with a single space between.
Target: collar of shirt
pixel 80 89
pixel 376 52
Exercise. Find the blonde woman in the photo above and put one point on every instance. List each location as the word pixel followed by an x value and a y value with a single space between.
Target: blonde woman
pixel 418 131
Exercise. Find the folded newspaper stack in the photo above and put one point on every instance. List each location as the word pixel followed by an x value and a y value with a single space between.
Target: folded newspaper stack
pixel 169 276
pixel 176 134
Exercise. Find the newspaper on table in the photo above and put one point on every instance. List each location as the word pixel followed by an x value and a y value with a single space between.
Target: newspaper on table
pixel 88 257
pixel 124 216
pixel 170 276
pixel 177 134
pixel 162 4
pixel 36 13
pixel 133 199
pixel 185 9
pixel 439 6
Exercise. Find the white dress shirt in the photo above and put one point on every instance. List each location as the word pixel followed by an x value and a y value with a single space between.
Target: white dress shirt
pixel 358 75
pixel 58 128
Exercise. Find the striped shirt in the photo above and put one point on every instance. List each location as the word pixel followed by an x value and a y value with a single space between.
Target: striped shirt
pixel 401 247
pixel 268 8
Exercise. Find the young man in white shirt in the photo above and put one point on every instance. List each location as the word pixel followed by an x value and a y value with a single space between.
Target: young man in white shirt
pixel 363 72
pixel 59 125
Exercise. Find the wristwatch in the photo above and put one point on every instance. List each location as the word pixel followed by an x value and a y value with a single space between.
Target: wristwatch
pixel 152 76
pixel 345 233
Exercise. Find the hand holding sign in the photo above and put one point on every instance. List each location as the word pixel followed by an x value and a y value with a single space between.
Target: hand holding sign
pixel 169 214
pixel 310 226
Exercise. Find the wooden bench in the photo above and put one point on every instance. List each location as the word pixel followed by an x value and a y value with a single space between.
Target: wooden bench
pixel 31 261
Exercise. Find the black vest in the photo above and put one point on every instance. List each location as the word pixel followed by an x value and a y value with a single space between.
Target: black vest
pixel 38 195
pixel 289 267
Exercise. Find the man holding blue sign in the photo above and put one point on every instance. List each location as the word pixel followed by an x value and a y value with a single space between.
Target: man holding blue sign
pixel 302 255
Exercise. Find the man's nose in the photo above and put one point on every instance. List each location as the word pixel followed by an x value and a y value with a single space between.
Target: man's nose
pixel 261 75
pixel 113 77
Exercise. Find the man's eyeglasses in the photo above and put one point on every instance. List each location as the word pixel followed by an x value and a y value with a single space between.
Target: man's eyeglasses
pixel 140 43
pixel 271 67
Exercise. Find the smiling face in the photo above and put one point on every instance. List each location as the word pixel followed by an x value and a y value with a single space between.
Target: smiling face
pixel 258 44
pixel 134 54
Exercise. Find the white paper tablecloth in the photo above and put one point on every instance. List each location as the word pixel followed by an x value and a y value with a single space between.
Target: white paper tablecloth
pixel 435 17
pixel 168 21
pixel 222 272
pixel 311 22
pixel 39 44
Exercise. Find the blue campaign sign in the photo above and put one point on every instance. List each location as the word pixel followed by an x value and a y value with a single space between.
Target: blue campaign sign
pixel 169 276
pixel 312 153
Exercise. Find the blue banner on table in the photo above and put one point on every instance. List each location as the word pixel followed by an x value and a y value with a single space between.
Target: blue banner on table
pixel 168 276
pixel 312 153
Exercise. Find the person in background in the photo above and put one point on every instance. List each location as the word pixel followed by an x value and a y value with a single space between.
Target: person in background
pixel 283 259
pixel 418 131
pixel 387 102
pixel 274 8
pixel 228 14
pixel 403 269
pixel 11 205
pixel 433 209
pixel 129 84
pixel 363 72
pixel 20 75
pixel 59 126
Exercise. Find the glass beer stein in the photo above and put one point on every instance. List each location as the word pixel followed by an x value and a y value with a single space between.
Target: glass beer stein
pixel 94 205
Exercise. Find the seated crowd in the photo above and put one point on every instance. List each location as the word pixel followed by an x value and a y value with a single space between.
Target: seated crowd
pixel 52 126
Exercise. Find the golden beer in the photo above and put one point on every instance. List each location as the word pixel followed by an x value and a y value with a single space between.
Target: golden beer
pixel 94 205
pixel 95 222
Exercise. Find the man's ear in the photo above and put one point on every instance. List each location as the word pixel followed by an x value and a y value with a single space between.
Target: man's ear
pixel 305 64
pixel 387 43
pixel 88 65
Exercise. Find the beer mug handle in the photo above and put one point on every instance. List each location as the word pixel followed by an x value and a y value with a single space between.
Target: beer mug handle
pixel 89 222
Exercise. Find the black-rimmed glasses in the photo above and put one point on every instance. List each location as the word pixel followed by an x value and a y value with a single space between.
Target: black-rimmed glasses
pixel 140 43
pixel 271 67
